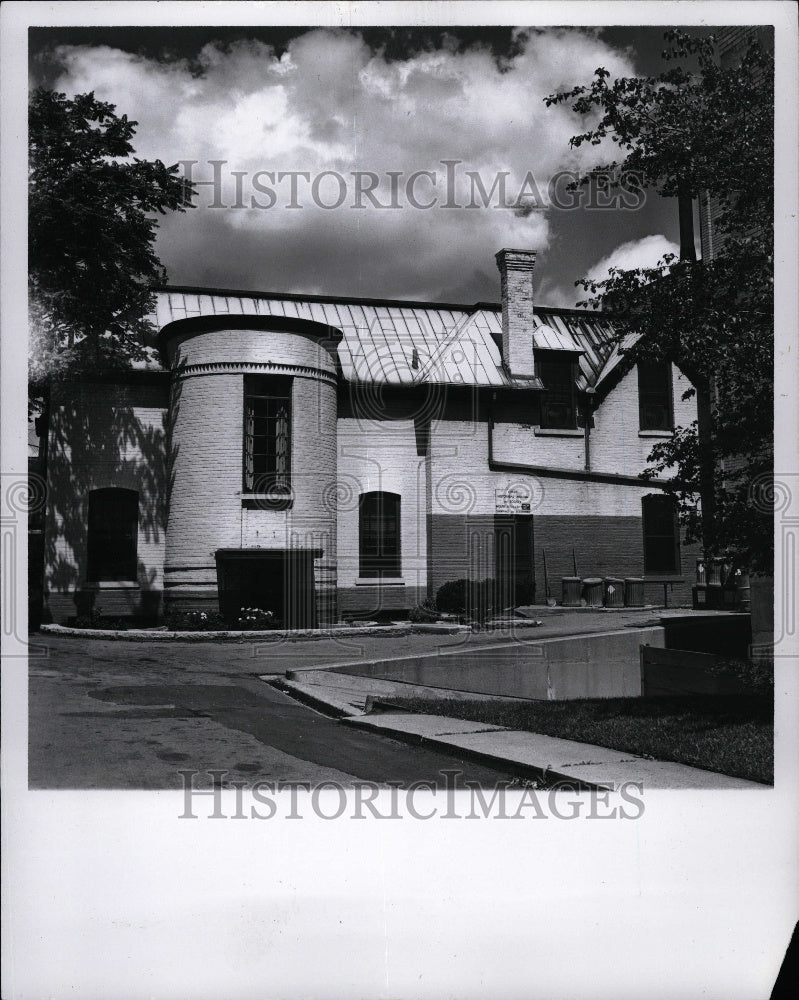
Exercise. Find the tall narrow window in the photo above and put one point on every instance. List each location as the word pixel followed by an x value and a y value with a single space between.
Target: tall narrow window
pixel 379 535
pixel 655 396
pixel 661 534
pixel 267 434
pixel 556 369
pixel 113 531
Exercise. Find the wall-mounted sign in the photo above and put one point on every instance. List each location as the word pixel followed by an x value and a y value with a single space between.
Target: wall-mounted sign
pixel 512 500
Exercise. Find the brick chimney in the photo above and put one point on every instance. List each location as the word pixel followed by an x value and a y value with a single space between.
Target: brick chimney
pixel 518 321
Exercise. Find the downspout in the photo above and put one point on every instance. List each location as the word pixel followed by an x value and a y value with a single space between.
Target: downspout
pixel 589 412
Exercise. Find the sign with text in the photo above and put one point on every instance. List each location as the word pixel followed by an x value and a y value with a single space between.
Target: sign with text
pixel 512 500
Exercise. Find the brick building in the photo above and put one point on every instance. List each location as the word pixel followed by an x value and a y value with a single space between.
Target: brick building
pixel 326 458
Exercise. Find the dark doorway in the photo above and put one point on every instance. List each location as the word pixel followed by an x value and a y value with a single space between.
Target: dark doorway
pixel 277 580
pixel 513 559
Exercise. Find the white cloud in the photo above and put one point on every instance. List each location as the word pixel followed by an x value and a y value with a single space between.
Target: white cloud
pixel 645 252
pixel 331 103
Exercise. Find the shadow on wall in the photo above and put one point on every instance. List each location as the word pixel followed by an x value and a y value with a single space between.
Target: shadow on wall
pixel 104 434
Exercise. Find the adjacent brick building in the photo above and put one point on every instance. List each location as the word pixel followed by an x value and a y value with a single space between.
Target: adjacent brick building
pixel 337 457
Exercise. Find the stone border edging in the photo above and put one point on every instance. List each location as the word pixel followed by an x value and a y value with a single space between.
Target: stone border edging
pixel 290 635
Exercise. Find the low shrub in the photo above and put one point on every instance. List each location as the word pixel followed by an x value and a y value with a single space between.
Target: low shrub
pixel 757 677
pixel 195 621
pixel 92 617
pixel 453 597
pixel 475 599
pixel 424 612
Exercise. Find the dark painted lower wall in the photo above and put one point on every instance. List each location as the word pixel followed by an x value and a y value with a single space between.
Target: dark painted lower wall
pixel 371 601
pixel 133 603
pixel 463 546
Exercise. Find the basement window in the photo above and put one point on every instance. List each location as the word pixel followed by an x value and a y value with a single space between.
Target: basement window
pixel 112 537
pixel 557 371
pixel 267 434
pixel 379 535
pixel 661 534
pixel 655 408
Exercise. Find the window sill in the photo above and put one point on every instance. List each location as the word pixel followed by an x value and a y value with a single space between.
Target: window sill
pixel 565 432
pixel 655 434
pixel 111 585
pixel 267 501
pixel 265 496
pixel 379 581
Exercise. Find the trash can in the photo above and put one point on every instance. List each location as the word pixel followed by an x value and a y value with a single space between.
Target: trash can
pixel 634 592
pixel 592 591
pixel 714 572
pixel 614 592
pixel 742 590
pixel 572 591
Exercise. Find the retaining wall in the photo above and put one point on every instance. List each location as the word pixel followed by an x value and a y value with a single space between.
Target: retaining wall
pixel 603 665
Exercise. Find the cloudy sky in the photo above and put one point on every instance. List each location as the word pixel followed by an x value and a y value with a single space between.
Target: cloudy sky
pixel 317 105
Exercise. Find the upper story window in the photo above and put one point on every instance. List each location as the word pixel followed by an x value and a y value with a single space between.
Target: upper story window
pixel 655 396
pixel 267 434
pixel 661 534
pixel 557 370
pixel 113 533
pixel 379 535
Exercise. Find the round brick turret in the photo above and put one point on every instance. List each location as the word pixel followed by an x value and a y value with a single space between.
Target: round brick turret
pixel 217 518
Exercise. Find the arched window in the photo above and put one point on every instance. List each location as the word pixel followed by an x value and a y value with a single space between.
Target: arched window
pixel 661 534
pixel 379 534
pixel 113 531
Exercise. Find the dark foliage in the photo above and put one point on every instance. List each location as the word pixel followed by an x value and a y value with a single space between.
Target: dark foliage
pixel 684 133
pixel 93 210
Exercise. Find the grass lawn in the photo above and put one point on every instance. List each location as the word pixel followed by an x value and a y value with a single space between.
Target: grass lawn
pixel 732 734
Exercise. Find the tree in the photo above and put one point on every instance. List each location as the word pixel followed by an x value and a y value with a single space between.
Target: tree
pixel 93 211
pixel 685 132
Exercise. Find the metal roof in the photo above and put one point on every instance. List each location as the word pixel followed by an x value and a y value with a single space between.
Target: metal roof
pixel 391 342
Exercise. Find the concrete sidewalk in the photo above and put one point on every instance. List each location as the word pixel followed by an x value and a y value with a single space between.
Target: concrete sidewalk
pixel 364 702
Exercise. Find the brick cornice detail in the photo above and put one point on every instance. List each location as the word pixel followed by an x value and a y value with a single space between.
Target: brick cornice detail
pixel 248 367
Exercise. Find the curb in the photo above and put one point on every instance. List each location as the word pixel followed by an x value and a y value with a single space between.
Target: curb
pixel 325 706
pixel 515 768
pixel 275 635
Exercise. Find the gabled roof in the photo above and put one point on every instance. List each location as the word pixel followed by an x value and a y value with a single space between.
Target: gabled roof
pixel 391 341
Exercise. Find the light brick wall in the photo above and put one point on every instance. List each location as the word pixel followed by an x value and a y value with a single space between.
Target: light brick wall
pixel 518 316
pixel 381 455
pixel 229 346
pixel 601 521
pixel 523 443
pixel 205 502
pixel 462 482
pixel 104 435
pixel 206 509
pixel 617 444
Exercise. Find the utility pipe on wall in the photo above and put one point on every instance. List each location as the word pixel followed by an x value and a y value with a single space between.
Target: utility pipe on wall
pixel 559 473
pixel 589 412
